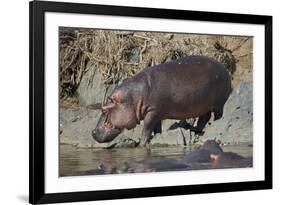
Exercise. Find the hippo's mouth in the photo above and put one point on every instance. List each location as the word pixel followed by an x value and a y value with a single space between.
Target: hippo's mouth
pixel 108 125
pixel 106 133
pixel 111 128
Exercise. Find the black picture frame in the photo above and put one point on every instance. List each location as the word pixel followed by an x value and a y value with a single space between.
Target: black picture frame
pixel 37 9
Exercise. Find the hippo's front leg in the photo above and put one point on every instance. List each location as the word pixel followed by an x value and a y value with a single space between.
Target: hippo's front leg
pixel 149 122
pixel 145 137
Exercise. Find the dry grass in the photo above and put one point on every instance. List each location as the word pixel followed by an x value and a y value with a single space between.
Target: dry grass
pixel 120 54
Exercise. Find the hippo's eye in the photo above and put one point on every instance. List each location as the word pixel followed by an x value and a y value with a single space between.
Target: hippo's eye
pixel 103 111
pixel 109 99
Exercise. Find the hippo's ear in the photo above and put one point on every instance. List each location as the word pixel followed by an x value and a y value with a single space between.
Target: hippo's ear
pixel 214 157
pixel 117 97
pixel 106 108
pixel 201 142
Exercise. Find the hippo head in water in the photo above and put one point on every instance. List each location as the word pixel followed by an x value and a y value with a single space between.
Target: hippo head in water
pixel 118 113
pixel 212 146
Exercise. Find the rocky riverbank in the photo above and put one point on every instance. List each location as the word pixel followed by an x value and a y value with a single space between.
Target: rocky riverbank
pixel 86 81
pixel 233 128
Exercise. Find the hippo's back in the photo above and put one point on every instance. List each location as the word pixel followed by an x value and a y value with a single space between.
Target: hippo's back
pixel 189 86
pixel 191 68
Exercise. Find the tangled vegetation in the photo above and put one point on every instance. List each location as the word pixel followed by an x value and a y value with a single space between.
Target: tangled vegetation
pixel 121 54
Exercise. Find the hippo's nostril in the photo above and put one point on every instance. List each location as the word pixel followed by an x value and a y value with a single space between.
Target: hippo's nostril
pixel 94 133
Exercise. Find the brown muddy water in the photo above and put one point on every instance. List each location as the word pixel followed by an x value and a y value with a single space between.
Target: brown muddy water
pixel 78 161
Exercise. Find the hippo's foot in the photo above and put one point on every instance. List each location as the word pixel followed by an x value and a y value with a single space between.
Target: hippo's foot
pixel 197 131
pixel 144 144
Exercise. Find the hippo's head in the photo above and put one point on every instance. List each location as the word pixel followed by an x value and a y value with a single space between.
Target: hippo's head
pixel 212 146
pixel 118 113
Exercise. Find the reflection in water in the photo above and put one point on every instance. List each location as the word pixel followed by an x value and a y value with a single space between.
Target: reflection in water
pixel 75 161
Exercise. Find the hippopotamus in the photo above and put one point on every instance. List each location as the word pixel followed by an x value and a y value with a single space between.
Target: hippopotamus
pixel 230 159
pixel 189 87
pixel 209 155
pixel 204 154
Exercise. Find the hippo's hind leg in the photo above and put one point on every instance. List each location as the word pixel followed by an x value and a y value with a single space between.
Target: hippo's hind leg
pixel 218 112
pixel 158 128
pixel 202 121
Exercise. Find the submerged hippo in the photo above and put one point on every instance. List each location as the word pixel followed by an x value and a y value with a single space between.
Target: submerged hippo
pixel 203 156
pixel 209 156
pixel 230 159
pixel 188 87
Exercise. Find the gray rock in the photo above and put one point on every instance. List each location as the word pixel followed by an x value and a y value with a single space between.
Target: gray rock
pixel 134 134
pixel 122 141
pixel 234 127
pixel 76 126
pixel 68 116
pixel 170 137
pixel 92 92
pixel 166 124
pixel 167 137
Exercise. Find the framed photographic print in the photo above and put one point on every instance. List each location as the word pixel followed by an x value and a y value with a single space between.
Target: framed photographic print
pixel 130 102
